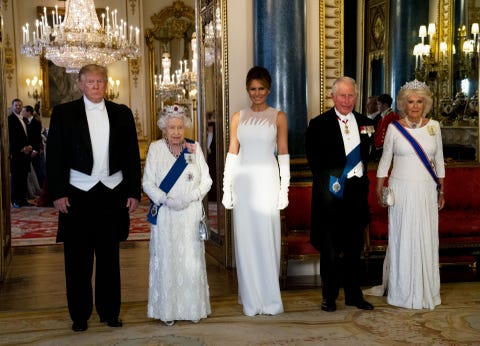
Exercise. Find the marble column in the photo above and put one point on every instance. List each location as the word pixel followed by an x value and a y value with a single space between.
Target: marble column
pixel 279 34
pixel 404 14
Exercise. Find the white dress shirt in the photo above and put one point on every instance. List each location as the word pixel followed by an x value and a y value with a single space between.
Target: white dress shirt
pixel 351 139
pixel 99 128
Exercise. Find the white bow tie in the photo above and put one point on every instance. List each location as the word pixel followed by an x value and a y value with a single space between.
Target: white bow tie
pixel 96 106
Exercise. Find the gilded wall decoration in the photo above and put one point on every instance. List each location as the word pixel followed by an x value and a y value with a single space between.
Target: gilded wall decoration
pixel 9 60
pixel 133 5
pixel 331 47
pixel 377 26
pixel 134 67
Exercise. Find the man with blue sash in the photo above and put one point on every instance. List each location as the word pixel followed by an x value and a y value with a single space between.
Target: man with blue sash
pixel 338 146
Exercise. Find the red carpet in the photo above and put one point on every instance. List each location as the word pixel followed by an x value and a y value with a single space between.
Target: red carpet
pixel 38 225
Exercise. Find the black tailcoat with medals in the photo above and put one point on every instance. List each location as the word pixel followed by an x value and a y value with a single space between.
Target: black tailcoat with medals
pixel 326 157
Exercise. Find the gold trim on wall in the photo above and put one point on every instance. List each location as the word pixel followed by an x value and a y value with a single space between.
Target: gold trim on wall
pixel 331 48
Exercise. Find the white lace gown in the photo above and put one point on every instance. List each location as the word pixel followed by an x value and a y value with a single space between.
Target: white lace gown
pixel 412 264
pixel 257 235
pixel 178 286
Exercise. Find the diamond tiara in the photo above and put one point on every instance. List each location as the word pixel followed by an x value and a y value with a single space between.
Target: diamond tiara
pixel 173 110
pixel 415 84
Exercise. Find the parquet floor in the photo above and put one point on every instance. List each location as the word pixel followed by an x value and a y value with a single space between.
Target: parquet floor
pixel 35 278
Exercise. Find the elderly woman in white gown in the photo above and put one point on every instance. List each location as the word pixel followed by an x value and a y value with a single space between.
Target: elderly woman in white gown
pixel 178 286
pixel 411 269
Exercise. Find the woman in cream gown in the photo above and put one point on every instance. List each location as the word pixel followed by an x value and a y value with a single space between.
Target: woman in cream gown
pixel 256 187
pixel 178 286
pixel 411 268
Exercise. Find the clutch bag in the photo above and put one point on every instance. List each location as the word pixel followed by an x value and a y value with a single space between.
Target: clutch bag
pixel 203 230
pixel 387 196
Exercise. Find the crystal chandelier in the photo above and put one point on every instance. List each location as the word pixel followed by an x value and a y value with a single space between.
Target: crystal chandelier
pixel 182 83
pixel 79 39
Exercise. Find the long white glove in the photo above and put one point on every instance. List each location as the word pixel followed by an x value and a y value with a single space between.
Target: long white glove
pixel 160 197
pixel 230 162
pixel 284 165
pixel 176 203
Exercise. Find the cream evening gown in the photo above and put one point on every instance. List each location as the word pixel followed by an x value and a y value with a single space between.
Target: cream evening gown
pixel 178 287
pixel 257 235
pixel 412 274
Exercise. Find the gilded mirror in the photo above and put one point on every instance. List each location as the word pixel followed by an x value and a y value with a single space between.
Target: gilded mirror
pixel 213 118
pixel 172 62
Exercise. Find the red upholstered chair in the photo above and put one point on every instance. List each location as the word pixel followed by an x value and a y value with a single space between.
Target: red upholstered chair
pixel 296 229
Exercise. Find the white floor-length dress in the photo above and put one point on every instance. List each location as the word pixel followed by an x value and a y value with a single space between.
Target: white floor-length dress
pixel 412 265
pixel 257 235
pixel 178 286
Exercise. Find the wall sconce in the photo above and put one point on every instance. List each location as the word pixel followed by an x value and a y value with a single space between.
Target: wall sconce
pixel 33 92
pixel 112 89
pixel 431 58
pixel 469 51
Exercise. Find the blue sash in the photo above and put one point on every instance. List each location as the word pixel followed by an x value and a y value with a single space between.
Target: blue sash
pixel 168 182
pixel 419 150
pixel 336 185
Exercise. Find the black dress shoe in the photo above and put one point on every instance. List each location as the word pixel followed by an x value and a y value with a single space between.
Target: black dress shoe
pixel 328 305
pixel 115 323
pixel 363 305
pixel 79 326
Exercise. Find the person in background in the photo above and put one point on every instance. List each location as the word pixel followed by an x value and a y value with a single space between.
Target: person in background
pixel 372 107
pixel 381 121
pixel 94 180
pixel 338 145
pixel 19 154
pixel 255 186
pixel 34 130
pixel 178 287
pixel 411 269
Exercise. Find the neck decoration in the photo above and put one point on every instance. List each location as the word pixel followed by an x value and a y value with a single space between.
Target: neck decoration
pixel 345 122
pixel 175 149
pixel 413 125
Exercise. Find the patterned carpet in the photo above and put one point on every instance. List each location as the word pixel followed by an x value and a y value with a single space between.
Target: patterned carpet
pixel 38 225
pixel 455 322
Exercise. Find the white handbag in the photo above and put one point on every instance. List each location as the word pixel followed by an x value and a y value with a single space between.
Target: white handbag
pixel 203 230
pixel 388 197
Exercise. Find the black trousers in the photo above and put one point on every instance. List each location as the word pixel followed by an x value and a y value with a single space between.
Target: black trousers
pixel 342 243
pixel 90 237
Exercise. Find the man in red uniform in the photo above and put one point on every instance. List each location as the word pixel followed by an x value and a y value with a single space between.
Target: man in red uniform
pixel 381 121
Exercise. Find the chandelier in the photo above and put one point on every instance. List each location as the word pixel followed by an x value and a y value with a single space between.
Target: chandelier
pixel 79 38
pixel 181 84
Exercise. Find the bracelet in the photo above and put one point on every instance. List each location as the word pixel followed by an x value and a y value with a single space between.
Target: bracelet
pixel 440 193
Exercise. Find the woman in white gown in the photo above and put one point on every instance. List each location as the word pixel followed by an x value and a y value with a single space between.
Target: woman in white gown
pixel 411 268
pixel 178 286
pixel 255 185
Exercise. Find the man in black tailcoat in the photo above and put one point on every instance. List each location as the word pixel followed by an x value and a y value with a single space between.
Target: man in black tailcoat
pixel 94 179
pixel 19 154
pixel 338 145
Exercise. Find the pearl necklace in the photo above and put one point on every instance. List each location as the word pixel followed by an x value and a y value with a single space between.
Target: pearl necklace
pixel 413 125
pixel 174 152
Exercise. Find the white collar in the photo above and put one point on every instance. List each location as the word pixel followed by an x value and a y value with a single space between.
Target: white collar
pixel 90 106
